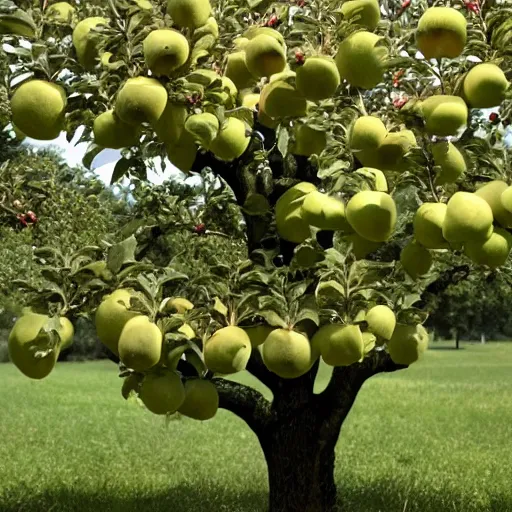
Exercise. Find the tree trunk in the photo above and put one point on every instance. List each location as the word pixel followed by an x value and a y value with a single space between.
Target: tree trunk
pixel 298 430
pixel 300 458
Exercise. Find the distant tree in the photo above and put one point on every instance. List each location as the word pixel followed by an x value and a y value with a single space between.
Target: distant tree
pixel 44 202
pixel 188 226
pixel 478 305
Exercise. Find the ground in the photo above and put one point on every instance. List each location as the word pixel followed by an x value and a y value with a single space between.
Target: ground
pixel 436 437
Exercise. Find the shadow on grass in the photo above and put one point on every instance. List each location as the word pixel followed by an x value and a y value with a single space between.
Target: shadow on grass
pixel 388 496
pixel 185 498
pixel 383 496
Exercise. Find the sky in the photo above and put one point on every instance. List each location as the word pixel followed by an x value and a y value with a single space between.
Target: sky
pixel 104 163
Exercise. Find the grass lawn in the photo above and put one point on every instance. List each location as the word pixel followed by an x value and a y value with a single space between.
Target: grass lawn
pixel 436 437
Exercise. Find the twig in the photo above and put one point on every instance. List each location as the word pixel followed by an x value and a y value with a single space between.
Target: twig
pixel 114 10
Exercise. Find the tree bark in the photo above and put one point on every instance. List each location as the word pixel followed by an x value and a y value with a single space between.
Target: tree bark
pixel 298 430
pixel 300 464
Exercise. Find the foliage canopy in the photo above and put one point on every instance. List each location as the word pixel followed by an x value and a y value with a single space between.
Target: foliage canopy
pixel 330 131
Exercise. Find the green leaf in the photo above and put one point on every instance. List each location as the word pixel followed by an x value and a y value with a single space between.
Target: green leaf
pixel 220 307
pixel 148 284
pixel 368 272
pixel 205 42
pixel 26 285
pixel 121 168
pixel 334 170
pixel 94 284
pixel 171 324
pixel 121 254
pixel 255 3
pixel 39 51
pixel 135 21
pixel 297 290
pixel 17 22
pixel 50 290
pixel 51 274
pixel 131 269
pixel 412 316
pixel 92 151
pixel 194 356
pixel 131 227
pixel 283 138
pixel 18 51
pixel 306 313
pixel 174 356
pixel 200 79
pixel 334 257
pixel 255 277
pixel 360 316
pixel 139 302
pixel 410 300
pixel 307 256
pixel 256 204
pixel 171 275
pixel 330 290
pixel 47 251
pixel 243 113
pixel 273 319
pixel 369 342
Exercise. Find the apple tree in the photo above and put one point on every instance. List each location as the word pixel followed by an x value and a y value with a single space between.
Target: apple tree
pixel 347 135
pixel 43 202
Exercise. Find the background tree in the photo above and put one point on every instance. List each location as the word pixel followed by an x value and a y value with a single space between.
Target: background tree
pixel 45 203
pixel 186 225
pixel 281 128
pixel 458 310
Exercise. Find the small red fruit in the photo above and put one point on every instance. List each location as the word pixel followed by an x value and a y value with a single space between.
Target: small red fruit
pixel 273 21
pixel 472 6
pixel 32 217
pixel 397 76
pixel 400 102
pixel 299 57
pixel 200 229
pixel 22 219
pixel 494 118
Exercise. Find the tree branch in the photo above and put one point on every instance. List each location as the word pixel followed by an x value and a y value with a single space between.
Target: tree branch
pixel 247 403
pixel 346 381
pixel 256 367
pixel 232 174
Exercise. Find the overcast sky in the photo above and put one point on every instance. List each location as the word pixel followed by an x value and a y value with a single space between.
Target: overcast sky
pixel 103 164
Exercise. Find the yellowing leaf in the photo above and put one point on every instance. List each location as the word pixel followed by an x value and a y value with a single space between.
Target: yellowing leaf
pixel 220 307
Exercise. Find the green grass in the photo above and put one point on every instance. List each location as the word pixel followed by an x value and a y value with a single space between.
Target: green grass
pixel 437 437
